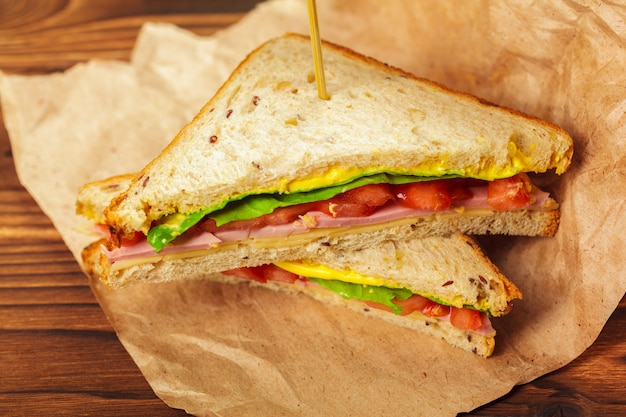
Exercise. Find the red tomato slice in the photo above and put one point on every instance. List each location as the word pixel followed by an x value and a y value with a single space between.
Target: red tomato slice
pixel 427 195
pixel 207 225
pixel 210 227
pixel 362 202
pixel 510 193
pixel 273 273
pixel 461 318
pixel 466 318
pixel 416 303
pixel 129 241
pixel 340 208
pixel 359 202
pixel 254 274
pixel 374 195
pixel 413 303
pixel 289 214
pixel 460 194
pixel 263 273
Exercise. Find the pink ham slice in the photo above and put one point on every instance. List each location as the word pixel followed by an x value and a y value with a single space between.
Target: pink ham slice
pixel 311 220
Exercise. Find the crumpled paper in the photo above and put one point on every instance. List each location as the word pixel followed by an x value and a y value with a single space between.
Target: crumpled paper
pixel 220 350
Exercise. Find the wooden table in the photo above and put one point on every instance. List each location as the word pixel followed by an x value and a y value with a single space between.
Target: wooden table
pixel 58 353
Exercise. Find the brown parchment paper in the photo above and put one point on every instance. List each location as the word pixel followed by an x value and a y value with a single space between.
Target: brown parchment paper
pixel 235 350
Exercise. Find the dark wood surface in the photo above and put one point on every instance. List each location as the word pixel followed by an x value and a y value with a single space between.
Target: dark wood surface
pixel 58 353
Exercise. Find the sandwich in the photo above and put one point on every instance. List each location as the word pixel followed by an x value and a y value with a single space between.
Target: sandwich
pixel 442 286
pixel 364 200
pixel 268 172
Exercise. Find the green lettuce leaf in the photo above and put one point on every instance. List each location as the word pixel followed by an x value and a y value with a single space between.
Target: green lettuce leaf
pixel 175 225
pixel 379 294
pixel 246 207
pixel 257 205
pixel 382 295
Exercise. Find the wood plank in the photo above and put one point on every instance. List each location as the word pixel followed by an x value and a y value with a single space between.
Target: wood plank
pixel 72 373
pixel 62 33
pixel 28 404
pixel 37 263
pixel 41 295
pixel 53 316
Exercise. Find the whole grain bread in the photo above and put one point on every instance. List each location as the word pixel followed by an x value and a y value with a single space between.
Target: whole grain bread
pixel 450 268
pixel 266 126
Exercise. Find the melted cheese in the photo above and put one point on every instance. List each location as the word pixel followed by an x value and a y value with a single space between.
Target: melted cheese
pixel 309 269
pixel 518 162
pixel 334 175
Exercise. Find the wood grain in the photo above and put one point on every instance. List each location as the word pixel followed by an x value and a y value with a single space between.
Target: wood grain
pixel 58 353
pixel 50 36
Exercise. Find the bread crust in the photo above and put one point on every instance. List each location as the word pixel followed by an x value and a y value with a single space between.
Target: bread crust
pixel 94 197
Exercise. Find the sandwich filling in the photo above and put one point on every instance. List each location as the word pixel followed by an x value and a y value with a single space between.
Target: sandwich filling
pixel 371 292
pixel 374 201
pixel 358 198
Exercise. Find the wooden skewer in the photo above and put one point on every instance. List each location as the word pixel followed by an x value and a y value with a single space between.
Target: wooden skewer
pixel 316 44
